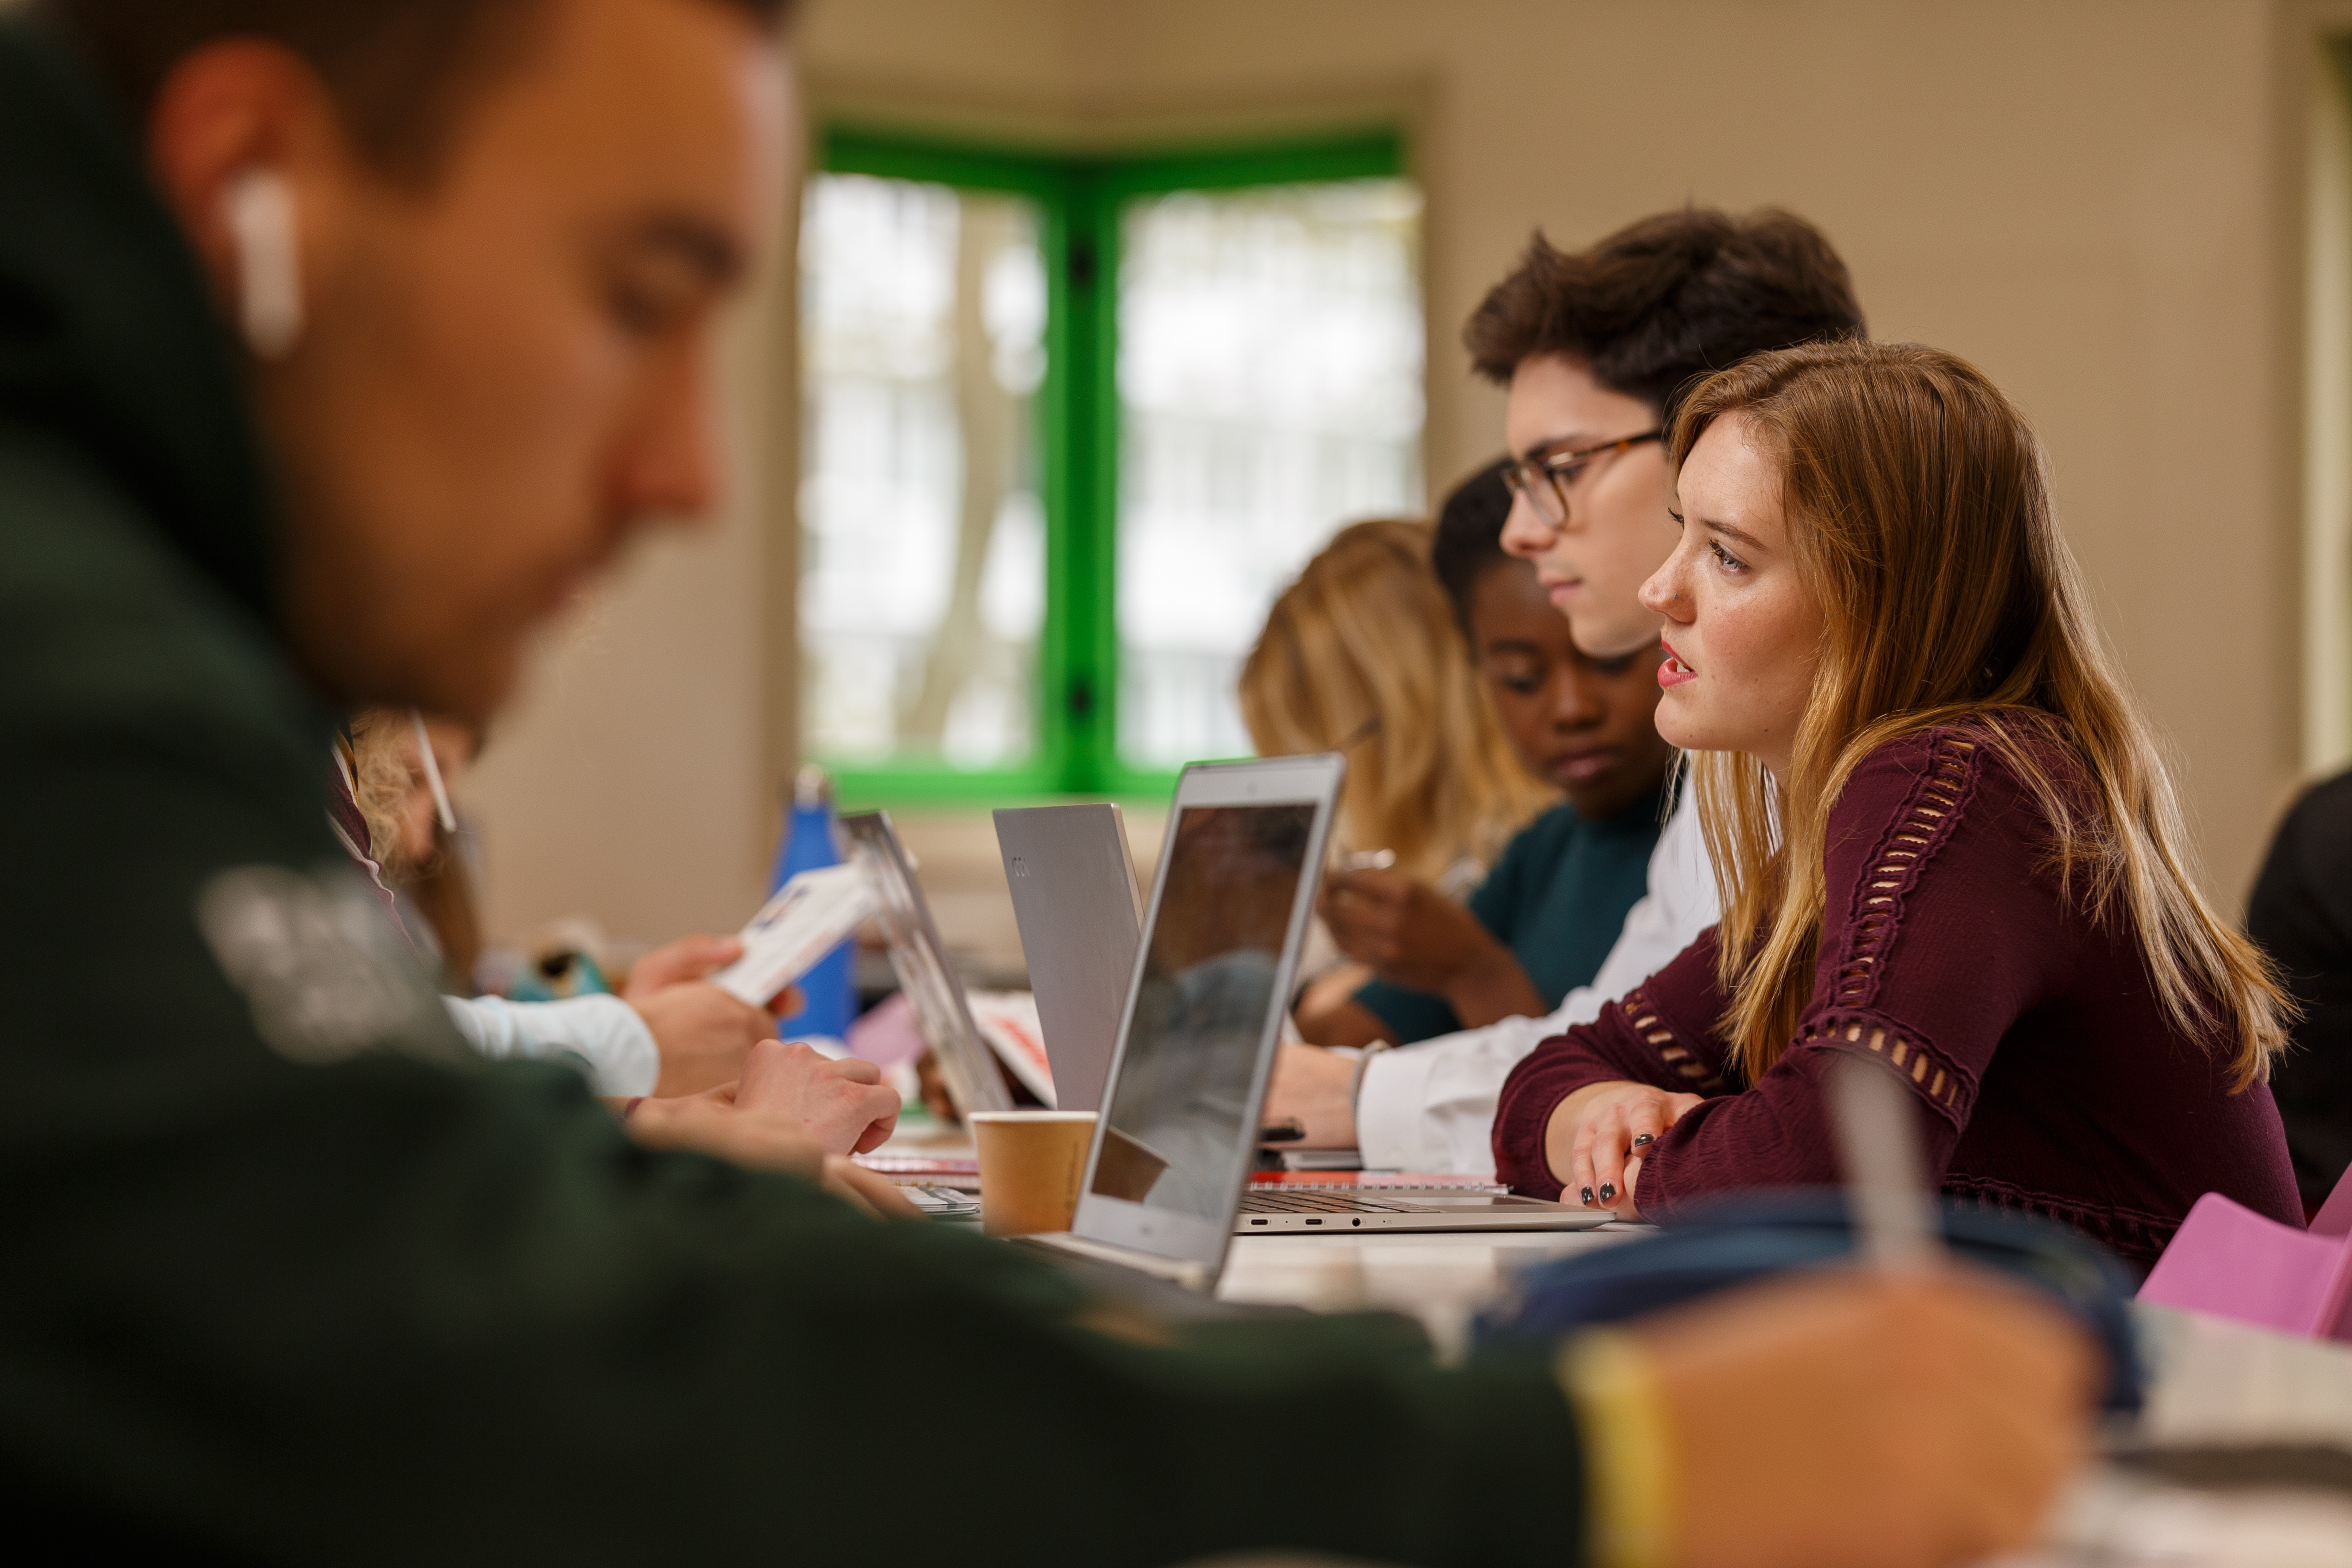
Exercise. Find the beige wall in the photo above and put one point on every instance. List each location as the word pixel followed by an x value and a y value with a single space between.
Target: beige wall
pixel 631 783
pixel 2099 200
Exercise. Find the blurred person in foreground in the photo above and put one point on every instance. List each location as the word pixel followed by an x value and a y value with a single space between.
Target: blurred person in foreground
pixel 1551 905
pixel 668 1033
pixel 344 341
pixel 1596 348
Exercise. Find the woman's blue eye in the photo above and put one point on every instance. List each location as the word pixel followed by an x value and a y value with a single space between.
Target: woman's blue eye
pixel 1730 563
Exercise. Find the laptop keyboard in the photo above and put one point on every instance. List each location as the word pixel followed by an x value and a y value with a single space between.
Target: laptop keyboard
pixel 1327 1203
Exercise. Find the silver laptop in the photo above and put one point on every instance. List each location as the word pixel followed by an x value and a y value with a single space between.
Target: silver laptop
pixel 1165 1184
pixel 1081 918
pixel 967 1065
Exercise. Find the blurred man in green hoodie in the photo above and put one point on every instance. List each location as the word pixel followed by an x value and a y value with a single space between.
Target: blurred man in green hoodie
pixel 340 343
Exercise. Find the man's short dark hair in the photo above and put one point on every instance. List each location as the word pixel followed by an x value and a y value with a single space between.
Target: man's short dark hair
pixel 1663 302
pixel 400 70
pixel 1468 543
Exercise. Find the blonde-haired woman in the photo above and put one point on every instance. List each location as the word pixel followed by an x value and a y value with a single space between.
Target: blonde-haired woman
pixel 669 1034
pixel 1360 654
pixel 1944 836
pixel 382 757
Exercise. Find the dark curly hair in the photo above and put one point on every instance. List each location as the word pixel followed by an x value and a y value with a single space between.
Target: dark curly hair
pixel 1663 302
pixel 1468 543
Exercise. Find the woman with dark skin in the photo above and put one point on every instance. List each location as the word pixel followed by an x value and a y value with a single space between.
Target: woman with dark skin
pixel 1582 724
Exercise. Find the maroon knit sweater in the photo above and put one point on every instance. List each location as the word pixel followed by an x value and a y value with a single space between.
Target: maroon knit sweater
pixel 2031 1034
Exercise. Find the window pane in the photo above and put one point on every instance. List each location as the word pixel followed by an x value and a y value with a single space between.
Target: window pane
pixel 923 541
pixel 1270 390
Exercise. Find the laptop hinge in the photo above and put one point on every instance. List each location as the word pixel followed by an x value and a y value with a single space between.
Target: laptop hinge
pixel 1195 1276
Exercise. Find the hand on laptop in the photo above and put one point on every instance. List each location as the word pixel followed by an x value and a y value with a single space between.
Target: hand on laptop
pixel 844 1105
pixel 715 1125
pixel 874 1194
pixel 711 1124
pixel 1915 1421
pixel 1594 1140
pixel 1311 1087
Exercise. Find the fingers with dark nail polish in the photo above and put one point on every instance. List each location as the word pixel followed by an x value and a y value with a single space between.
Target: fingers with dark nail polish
pixel 1607 1190
pixel 1645 1138
pixel 1588 1197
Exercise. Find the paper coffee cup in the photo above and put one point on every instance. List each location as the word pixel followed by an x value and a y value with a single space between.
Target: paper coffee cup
pixel 1031 1163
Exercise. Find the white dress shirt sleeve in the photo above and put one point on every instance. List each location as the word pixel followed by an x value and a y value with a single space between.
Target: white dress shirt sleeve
pixel 601 1035
pixel 1431 1106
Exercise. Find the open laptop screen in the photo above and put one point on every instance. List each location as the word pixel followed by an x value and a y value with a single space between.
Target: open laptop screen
pixel 1180 1110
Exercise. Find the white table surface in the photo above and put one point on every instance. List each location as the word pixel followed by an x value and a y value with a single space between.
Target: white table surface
pixel 2211 1383
pixel 1441 1278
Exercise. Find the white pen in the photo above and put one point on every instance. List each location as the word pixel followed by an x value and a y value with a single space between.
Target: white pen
pixel 1897 1228
pixel 432 773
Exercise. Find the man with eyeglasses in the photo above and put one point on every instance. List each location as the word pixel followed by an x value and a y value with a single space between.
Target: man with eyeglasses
pixel 1596 348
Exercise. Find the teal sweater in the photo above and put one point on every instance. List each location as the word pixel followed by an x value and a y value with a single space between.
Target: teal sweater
pixel 1557 899
pixel 291 1277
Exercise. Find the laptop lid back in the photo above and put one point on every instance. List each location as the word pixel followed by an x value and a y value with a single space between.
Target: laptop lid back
pixel 1230 906
pixel 966 1064
pixel 1080 913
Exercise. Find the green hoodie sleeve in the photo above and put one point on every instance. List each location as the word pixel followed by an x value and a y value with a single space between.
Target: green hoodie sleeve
pixel 292 1276
pixel 399 1306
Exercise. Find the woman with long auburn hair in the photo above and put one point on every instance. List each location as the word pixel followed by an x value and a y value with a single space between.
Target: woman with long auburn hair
pixel 1944 834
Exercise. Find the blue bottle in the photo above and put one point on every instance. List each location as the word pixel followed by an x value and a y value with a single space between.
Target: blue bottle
pixel 809 842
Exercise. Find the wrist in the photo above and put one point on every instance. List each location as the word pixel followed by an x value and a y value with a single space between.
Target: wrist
pixel 1559 1137
pixel 1488 985
pixel 1561 1126
pixel 1465 955
pixel 1364 1059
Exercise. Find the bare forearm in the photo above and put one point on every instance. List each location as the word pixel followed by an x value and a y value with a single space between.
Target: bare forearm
pixel 1314 1087
pixel 1494 988
pixel 1348 1023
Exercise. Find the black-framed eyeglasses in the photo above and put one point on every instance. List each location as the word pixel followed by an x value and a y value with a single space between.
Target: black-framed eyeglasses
pixel 1544 481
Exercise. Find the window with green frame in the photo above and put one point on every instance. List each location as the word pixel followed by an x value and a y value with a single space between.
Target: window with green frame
pixel 1071 422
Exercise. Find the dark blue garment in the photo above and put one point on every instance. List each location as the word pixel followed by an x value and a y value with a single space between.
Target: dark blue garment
pixel 1756 1236
pixel 1557 899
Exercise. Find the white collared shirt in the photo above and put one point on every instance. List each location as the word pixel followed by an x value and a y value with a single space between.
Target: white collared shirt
pixel 602 1035
pixel 1431 1106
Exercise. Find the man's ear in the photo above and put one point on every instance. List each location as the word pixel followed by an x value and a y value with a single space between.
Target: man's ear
pixel 246 145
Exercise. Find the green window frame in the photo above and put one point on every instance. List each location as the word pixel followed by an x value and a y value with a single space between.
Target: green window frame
pixel 1080 201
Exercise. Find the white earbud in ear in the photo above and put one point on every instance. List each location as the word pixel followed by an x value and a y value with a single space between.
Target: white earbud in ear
pixel 259 207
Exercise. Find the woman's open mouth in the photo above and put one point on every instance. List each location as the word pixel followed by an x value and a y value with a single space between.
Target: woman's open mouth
pixel 1673 672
